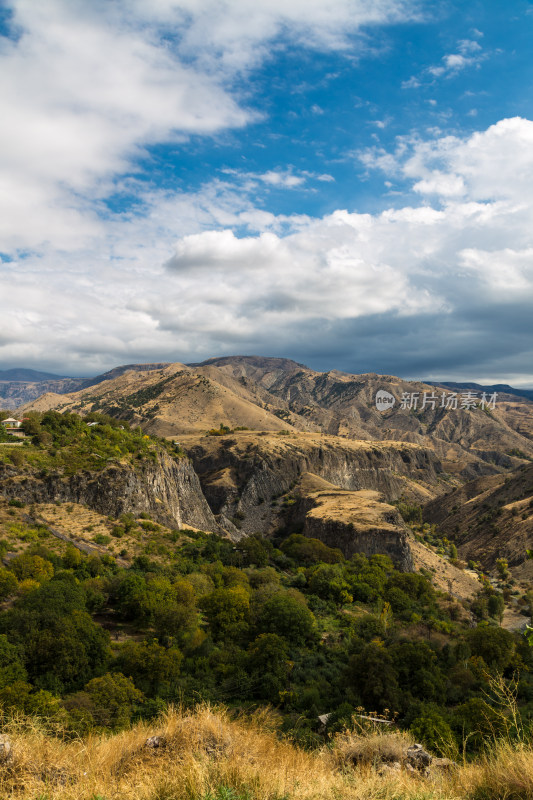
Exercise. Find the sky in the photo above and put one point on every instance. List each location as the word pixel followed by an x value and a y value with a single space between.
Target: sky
pixel 347 183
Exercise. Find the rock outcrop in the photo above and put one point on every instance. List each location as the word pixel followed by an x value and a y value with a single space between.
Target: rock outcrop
pixel 243 476
pixel 168 489
pixel 353 522
pixel 359 522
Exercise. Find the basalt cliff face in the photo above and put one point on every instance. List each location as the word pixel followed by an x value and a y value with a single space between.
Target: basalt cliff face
pixel 352 521
pixel 328 488
pixel 251 483
pixel 168 489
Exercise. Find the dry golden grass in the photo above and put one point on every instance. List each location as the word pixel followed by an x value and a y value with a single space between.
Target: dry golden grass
pixel 506 773
pixel 211 756
pixel 372 747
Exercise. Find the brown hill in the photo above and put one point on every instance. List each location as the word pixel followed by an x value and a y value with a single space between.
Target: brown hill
pixel 469 442
pixel 170 400
pixel 490 518
pixel 274 394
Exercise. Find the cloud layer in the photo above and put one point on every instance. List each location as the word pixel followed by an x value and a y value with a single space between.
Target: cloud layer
pixel 457 270
pixel 440 286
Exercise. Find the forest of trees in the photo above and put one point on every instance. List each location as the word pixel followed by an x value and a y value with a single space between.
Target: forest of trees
pixel 296 626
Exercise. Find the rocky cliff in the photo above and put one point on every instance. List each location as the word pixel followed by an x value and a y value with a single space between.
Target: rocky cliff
pixel 168 489
pixel 358 522
pixel 490 518
pixel 244 476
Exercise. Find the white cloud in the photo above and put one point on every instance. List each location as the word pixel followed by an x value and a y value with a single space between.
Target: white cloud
pixel 507 273
pixel 278 178
pixel 285 179
pixel 412 83
pixel 442 184
pixel 469 54
pixel 467 249
pixel 470 254
pixel 85 87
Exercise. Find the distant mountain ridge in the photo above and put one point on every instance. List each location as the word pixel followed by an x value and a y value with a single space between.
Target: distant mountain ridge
pixel 116 372
pixel 28 375
pixel 259 362
pixel 501 388
pixel 25 375
pixel 277 394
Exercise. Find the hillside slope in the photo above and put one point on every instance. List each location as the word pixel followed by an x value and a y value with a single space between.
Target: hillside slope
pixel 274 394
pixel 490 518
pixel 206 753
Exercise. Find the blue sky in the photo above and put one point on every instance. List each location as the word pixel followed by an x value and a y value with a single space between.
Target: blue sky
pixel 349 184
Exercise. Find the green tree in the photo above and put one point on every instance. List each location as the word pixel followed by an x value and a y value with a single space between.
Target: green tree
pixel 72 558
pixel 8 583
pixel 503 568
pixel 418 671
pixel 27 566
pixel 131 595
pixel 433 731
pixel 227 612
pixel 11 666
pixel 496 606
pixel 268 666
pixel 287 615
pixel 372 676
pixel 327 581
pixel 154 669
pixel 477 724
pixel 495 646
pixel 110 700
pixel 63 647
pixel 20 696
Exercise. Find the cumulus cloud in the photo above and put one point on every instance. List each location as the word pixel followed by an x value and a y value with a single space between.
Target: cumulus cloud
pixel 461 269
pixel 85 87
pixel 441 288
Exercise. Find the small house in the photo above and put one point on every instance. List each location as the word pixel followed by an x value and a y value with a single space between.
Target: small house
pixel 11 423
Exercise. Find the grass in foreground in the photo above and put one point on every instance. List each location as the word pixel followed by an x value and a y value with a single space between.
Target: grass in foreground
pixel 209 756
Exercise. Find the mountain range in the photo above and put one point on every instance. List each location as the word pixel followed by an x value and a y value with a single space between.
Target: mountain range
pixel 272 394
pixel 279 428
pixel 20 385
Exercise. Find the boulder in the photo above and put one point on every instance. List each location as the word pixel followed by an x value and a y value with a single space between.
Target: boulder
pixel 6 752
pixel 418 759
pixel 155 741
